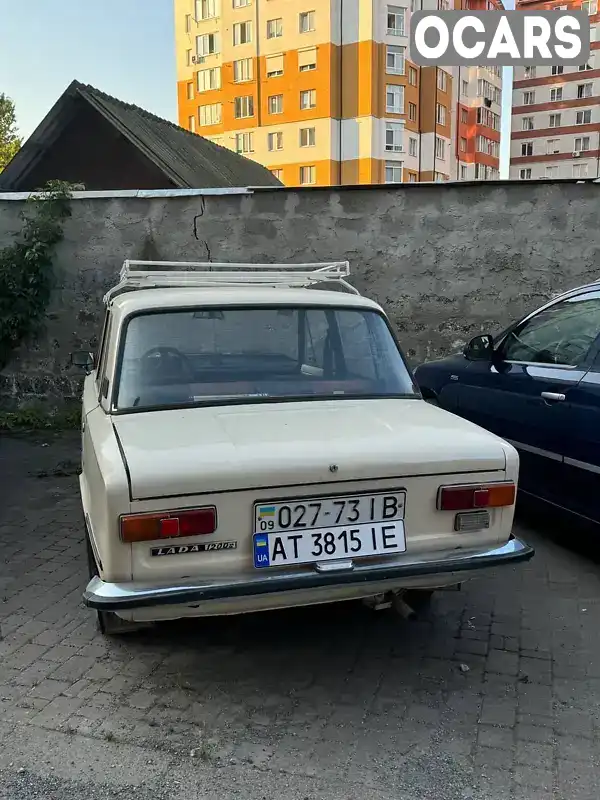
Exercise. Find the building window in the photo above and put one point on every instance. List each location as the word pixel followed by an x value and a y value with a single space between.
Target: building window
pixel 395 21
pixel 188 58
pixel 308 175
pixel 556 94
pixel 440 114
pixel 274 28
pixel 584 90
pixel 192 124
pixel 244 143
pixel 463 172
pixel 413 147
pixel 275 104
pixel 208 44
pixel 412 177
pixel 485 173
pixel 527 148
pixel 580 170
pixel 241 3
pixel 394 103
pixel 209 79
pixel 529 72
pixel 552 146
pixel 308 137
pixel 528 98
pixel 207 9
pixel 243 107
pixel 190 91
pixel 440 148
pixel 486 89
pixel 581 144
pixel 210 115
pixel 274 66
pixel 488 146
pixel 243 70
pixel 527 124
pixel 188 23
pixel 308 99
pixel 554 121
pixel 307 21
pixel 275 141
pixel 278 173
pixel 590 6
pixel 583 117
pixel 393 137
pixel 464 116
pixel 551 172
pixel 584 67
pixel 442 80
pixel 307 59
pixel 412 76
pixel 465 88
pixel 393 171
pixel 412 112
pixel 557 70
pixel 395 60
pixel 525 174
pixel 439 177
pixel 463 145
pixel 242 32
pixel 488 118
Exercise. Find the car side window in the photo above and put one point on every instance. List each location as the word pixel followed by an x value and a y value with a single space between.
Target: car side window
pixel 100 376
pixel 561 334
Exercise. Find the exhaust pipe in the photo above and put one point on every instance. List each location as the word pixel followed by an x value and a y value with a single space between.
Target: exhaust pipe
pixel 402 608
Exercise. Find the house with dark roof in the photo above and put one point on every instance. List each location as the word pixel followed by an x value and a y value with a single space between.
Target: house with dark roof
pixel 93 139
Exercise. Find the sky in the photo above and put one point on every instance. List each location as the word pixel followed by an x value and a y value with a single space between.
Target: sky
pixel 122 47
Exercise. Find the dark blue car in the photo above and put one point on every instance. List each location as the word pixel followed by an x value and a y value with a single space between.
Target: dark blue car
pixel 537 384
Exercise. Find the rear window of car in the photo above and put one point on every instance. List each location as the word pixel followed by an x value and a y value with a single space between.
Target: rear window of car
pixel 219 355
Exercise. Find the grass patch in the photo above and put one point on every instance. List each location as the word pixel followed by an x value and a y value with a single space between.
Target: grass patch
pixel 36 419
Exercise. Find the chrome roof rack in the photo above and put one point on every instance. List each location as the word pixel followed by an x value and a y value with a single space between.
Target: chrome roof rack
pixel 196 274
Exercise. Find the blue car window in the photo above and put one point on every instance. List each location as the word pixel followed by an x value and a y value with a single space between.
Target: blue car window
pixel 561 334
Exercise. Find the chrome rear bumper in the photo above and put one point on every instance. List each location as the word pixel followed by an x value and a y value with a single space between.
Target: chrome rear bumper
pixel 122 596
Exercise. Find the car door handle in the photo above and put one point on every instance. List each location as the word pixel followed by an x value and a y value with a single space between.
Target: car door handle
pixel 553 397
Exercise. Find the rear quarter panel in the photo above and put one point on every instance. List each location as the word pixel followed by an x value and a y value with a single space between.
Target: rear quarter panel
pixel 104 495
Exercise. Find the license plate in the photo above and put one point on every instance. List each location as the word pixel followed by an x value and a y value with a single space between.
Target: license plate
pixel 327 528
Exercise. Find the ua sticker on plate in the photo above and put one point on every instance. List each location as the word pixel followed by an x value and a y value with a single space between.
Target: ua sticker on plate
pixel 261 551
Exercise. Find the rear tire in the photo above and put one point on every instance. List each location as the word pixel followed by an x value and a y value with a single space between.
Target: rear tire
pixel 108 622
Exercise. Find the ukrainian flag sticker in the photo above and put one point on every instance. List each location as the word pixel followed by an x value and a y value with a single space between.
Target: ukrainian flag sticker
pixel 266 511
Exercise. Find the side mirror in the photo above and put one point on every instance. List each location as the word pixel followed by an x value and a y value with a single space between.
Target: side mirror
pixel 83 359
pixel 480 348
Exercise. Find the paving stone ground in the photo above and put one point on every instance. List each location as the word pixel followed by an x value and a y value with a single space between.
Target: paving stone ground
pixel 329 703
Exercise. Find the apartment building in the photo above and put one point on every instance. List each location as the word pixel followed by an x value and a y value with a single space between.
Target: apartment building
pixel 556 111
pixel 325 92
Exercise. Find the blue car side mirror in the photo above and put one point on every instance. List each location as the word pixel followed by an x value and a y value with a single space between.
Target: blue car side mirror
pixel 480 348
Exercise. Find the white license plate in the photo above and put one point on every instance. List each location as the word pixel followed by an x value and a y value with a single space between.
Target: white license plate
pixel 315 529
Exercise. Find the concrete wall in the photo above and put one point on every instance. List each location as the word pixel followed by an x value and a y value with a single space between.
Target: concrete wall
pixel 446 262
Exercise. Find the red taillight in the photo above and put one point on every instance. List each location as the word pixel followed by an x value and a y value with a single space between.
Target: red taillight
pixel 168 524
pixel 463 498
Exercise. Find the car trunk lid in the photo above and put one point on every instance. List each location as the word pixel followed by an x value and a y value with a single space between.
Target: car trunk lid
pixel 192 451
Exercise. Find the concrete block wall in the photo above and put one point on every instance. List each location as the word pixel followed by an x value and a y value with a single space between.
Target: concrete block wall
pixel 445 261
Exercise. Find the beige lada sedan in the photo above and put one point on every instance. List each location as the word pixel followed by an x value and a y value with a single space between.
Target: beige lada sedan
pixel 254 440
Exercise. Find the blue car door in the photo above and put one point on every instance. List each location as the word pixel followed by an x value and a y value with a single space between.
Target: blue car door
pixel 581 489
pixel 524 394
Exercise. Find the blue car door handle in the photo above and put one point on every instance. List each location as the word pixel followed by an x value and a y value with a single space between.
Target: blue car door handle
pixel 553 397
